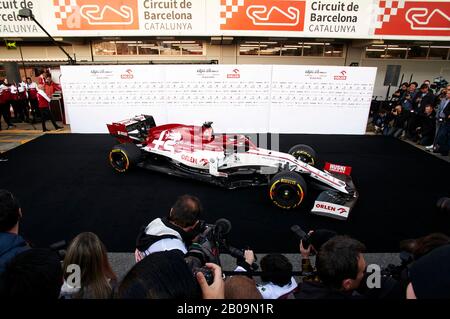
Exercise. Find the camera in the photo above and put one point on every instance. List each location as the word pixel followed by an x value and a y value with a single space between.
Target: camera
pixel 398 272
pixel 302 235
pixel 207 249
pixel 211 243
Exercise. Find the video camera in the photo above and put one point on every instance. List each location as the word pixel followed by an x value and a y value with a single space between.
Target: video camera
pixel 211 243
pixel 439 83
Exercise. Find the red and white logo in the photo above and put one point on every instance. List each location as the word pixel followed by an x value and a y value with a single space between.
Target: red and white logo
pixel 341 76
pixel 340 169
pixel 404 17
pixel 128 75
pixel 333 210
pixel 96 15
pixel 270 15
pixel 235 75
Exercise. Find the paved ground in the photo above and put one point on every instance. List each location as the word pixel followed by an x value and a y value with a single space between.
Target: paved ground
pixel 23 133
pixel 122 262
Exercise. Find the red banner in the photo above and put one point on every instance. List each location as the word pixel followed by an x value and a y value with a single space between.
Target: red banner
pixel 431 18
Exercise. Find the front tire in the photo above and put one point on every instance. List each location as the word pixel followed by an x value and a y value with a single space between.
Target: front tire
pixel 287 190
pixel 124 156
pixel 304 153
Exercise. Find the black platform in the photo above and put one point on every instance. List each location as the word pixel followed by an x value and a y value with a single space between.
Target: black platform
pixel 66 187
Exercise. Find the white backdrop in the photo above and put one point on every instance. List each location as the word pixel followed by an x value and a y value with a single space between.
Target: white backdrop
pixel 237 98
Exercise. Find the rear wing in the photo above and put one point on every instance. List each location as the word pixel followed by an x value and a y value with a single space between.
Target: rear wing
pixel 132 130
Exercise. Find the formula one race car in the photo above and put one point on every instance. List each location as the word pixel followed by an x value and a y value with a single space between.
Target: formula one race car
pixel 231 161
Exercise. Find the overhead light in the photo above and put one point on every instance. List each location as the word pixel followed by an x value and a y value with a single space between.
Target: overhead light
pixel 227 40
pixel 216 40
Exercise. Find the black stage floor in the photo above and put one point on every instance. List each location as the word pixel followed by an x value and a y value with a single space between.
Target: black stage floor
pixel 66 187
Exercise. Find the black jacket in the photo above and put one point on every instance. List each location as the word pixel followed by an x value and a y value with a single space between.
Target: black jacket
pixel 427 124
pixel 399 119
pixel 317 290
pixel 422 101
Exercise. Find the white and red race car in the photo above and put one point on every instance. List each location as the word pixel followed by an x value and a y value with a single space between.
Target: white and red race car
pixel 231 161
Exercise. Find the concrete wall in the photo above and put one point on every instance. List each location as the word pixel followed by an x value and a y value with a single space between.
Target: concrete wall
pixel 420 70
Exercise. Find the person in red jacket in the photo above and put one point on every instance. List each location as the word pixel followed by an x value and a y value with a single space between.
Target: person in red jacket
pixel 5 97
pixel 44 107
pixel 32 97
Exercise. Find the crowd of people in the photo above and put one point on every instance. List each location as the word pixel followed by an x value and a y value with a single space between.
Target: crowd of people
pixel 174 260
pixel 419 114
pixel 30 101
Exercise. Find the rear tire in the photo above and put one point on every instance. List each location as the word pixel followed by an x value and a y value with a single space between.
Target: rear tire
pixel 304 153
pixel 124 156
pixel 287 190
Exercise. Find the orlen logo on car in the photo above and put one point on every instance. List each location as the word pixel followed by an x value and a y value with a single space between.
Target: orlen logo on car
pixel 341 76
pixel 331 208
pixel 188 158
pixel 235 75
pixel 128 75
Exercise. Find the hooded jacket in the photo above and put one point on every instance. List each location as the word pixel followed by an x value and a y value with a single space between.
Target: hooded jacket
pixel 161 235
pixel 10 246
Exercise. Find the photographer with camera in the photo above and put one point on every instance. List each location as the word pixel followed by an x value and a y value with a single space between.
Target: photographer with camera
pixel 428 276
pixel 340 268
pixel 11 243
pixel 310 244
pixel 442 138
pixel 399 117
pixel 409 97
pixel 177 231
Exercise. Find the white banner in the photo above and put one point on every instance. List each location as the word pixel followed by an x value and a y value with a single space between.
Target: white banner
pixel 368 19
pixel 237 98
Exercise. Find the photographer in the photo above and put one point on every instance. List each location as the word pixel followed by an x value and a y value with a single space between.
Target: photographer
pixel 399 94
pixel 409 97
pixel 340 267
pixel 442 138
pixel 165 275
pixel 426 126
pixel 177 231
pixel 428 276
pixel 11 243
pixel 310 246
pixel 423 98
pixel 399 117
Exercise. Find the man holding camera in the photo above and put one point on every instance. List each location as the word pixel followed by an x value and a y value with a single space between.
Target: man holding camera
pixel 442 140
pixel 177 231
pixel 340 269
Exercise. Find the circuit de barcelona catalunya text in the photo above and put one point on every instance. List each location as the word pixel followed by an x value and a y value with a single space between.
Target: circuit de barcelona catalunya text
pixel 231 161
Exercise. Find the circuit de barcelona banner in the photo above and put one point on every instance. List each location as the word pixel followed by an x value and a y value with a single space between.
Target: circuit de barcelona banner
pixel 389 19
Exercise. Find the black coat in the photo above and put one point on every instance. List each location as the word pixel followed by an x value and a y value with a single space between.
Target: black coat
pixel 427 124
pixel 422 101
pixel 399 119
pixel 317 290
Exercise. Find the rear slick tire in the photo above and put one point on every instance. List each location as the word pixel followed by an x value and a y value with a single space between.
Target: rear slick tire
pixel 124 156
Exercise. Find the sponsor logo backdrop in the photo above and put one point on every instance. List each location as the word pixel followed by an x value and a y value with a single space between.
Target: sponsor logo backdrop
pixel 237 98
